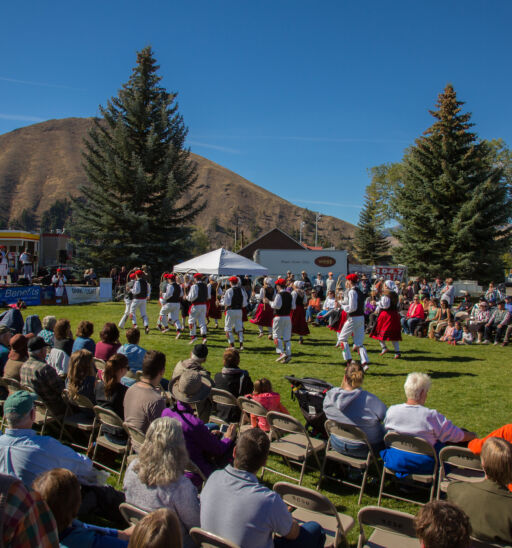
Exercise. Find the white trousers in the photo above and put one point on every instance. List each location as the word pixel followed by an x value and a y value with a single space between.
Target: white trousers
pixel 174 310
pixel 353 326
pixel 282 334
pixel 140 305
pixel 126 315
pixel 197 316
pixel 233 320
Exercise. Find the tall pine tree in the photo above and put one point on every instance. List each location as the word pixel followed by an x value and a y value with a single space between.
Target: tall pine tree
pixel 372 247
pixel 453 204
pixel 135 209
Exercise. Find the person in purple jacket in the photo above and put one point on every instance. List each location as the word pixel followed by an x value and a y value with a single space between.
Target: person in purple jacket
pixel 205 448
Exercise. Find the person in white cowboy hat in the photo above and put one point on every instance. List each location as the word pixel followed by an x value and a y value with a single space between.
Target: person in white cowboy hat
pixel 264 313
pixel 234 300
pixel 388 326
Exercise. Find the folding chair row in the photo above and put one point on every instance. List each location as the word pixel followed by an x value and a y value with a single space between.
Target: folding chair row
pixel 247 407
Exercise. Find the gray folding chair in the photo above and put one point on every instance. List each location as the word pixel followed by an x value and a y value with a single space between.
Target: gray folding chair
pixel 106 417
pixel 12 385
pixel 476 543
pixel 310 505
pixel 415 446
pixel 354 434
pixel 249 407
pixel 209 540
pixel 292 442
pixel 99 363
pixel 225 398
pixel 136 436
pixel 132 514
pixel 392 529
pixel 43 415
pixel 80 419
pixel 458 464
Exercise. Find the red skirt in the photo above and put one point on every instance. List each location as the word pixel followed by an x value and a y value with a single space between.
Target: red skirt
pixel 264 315
pixel 341 322
pixel 214 311
pixel 299 324
pixel 388 327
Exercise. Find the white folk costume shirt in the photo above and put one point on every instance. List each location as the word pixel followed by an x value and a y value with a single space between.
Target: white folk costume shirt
pixel 278 302
pixel 194 292
pixel 169 292
pixel 229 296
pixel 59 282
pixel 383 304
pixel 136 289
pixel 296 295
pixel 350 305
pixel 25 259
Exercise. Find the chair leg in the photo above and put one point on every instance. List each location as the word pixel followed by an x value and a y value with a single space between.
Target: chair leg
pixel 96 447
pixel 322 471
pixel 381 488
pixel 302 471
pixel 363 485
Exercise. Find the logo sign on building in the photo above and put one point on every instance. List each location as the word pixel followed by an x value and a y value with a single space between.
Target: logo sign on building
pixel 324 261
pixel 31 295
pixel 395 273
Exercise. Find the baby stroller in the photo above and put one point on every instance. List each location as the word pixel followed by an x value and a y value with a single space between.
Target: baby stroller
pixel 310 393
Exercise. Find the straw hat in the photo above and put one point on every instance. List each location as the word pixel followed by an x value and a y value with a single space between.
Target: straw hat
pixel 191 387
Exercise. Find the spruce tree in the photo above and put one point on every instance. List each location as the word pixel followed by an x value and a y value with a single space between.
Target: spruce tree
pixel 372 247
pixel 137 205
pixel 453 204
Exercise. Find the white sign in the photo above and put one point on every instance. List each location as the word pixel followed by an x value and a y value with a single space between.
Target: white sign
pixel 82 294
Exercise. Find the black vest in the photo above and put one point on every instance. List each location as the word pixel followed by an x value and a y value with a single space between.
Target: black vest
pixel 237 299
pixel 202 293
pixel 269 293
pixel 175 297
pixel 143 290
pixel 286 304
pixel 359 311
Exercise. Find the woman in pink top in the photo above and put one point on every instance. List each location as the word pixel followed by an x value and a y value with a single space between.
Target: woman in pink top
pixel 415 314
pixel 271 401
pixel 109 342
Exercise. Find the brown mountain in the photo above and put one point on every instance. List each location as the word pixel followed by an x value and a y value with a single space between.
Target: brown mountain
pixel 42 163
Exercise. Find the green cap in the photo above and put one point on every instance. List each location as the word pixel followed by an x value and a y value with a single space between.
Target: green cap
pixel 20 402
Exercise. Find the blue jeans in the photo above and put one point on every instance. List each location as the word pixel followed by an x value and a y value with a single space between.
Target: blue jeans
pixel 349 448
pixel 309 313
pixel 409 325
pixel 311 536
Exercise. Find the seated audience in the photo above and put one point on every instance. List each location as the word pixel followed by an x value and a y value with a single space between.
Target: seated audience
pixel 5 338
pixel 110 393
pixel 17 357
pixel 160 529
pixel 63 336
pixel 314 306
pixel 329 304
pixel 440 321
pixel 205 449
pixel 467 336
pixel 234 380
pixel 133 351
pixel 26 519
pixel 81 379
pixel 47 332
pixel 270 400
pixel 143 402
pixel 60 489
pixel 488 503
pixel 41 377
pixel 415 315
pixel 109 342
pixel 478 317
pixel 352 405
pixel 156 478
pixel 498 322
pixel 440 524
pixel 504 432
pixel 83 339
pixel 250 513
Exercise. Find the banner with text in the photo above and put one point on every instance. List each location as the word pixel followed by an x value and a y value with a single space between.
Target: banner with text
pixel 395 273
pixel 82 294
pixel 30 294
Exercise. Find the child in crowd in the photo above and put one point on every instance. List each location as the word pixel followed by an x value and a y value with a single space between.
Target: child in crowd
pixel 456 334
pixel 448 332
pixel 271 401
pixel 467 336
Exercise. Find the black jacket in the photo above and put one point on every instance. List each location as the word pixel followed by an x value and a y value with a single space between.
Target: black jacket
pixel 239 383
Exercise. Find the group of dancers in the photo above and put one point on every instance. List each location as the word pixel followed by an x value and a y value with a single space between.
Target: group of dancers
pixel 281 309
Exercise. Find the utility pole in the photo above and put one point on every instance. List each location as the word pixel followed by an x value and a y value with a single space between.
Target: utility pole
pixel 317 218
pixel 301 226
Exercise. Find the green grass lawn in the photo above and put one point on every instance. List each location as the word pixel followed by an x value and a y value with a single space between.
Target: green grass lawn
pixel 470 383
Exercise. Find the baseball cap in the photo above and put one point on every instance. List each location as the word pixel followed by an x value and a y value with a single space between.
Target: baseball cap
pixel 20 402
pixel 36 343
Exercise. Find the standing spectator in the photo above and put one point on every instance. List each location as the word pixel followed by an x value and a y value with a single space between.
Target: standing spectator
pixel 330 283
pixel 17 357
pixel 47 332
pixel 63 336
pixel 133 351
pixel 364 285
pixel 26 260
pixel 424 289
pixel 319 285
pixel 441 524
pixel 58 281
pixel 415 314
pixel 109 342
pixel 123 275
pixel 493 293
pixel 448 292
pixel 436 288
pixel 498 321
pixel 5 338
pixel 83 339
pixel 4 264
pixel 305 278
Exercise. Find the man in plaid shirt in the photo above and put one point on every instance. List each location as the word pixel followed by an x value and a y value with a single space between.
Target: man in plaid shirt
pixel 499 320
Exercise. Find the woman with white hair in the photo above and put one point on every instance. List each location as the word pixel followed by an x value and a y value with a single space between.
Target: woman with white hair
pixel 414 419
pixel 47 332
pixel 264 313
pixel 156 478
pixel 388 326
pixel 299 324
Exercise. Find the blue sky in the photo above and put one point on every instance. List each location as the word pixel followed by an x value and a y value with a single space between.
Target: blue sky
pixel 301 98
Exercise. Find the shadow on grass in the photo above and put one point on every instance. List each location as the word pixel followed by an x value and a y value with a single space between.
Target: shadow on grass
pixel 432 374
pixel 450 359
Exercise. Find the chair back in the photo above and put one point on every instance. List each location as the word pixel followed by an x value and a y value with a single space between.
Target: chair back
pixel 99 363
pixel 410 444
pixel 460 457
pixel 281 422
pixel 346 431
pixel 80 401
pixel 303 497
pixel 209 540
pixel 12 385
pixel 248 405
pixel 132 514
pixel 137 437
pixel 475 543
pixel 385 519
pixel 108 417
pixel 223 397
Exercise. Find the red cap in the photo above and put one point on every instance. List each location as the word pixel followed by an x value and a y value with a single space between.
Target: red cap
pixel 234 279
pixel 352 278
pixel 139 272
pixel 171 276
pixel 280 281
pixel 131 276
pixel 59 269
pixel 198 276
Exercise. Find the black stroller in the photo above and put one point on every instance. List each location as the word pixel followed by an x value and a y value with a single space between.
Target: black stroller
pixel 310 394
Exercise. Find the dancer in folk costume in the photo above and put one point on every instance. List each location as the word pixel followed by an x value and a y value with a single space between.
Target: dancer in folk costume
pixel 283 304
pixel 353 305
pixel 198 296
pixel 186 284
pixel 171 305
pixel 265 313
pixel 299 324
pixel 161 291
pixel 4 264
pixel 141 292
pixel 127 298
pixel 234 300
pixel 214 311
pixel 388 326
pixel 58 281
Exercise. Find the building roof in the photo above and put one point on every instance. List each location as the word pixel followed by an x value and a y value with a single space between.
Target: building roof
pixel 272 239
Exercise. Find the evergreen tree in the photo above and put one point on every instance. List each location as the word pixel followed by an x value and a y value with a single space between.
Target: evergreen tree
pixel 372 247
pixel 453 204
pixel 137 205
pixel 56 216
pixel 26 221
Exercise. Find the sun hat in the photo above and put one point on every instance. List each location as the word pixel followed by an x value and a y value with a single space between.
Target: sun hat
pixel 191 387
pixel 19 349
pixel 20 402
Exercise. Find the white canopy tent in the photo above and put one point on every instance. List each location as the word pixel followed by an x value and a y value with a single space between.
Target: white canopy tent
pixel 222 262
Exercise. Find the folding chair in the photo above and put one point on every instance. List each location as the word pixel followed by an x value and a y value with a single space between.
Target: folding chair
pixel 12 385
pixel 132 514
pixel 311 505
pixel 463 465
pixel 225 398
pixel 194 469
pixel 209 540
pixel 105 417
pixel 392 529
pixel 99 363
pixel 292 442
pixel 249 407
pixel 2 401
pixel 136 436
pixel 352 433
pixel 79 420
pixel 43 414
pixel 416 446
pixel 476 543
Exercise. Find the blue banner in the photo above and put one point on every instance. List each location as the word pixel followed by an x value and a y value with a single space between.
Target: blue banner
pixel 30 294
